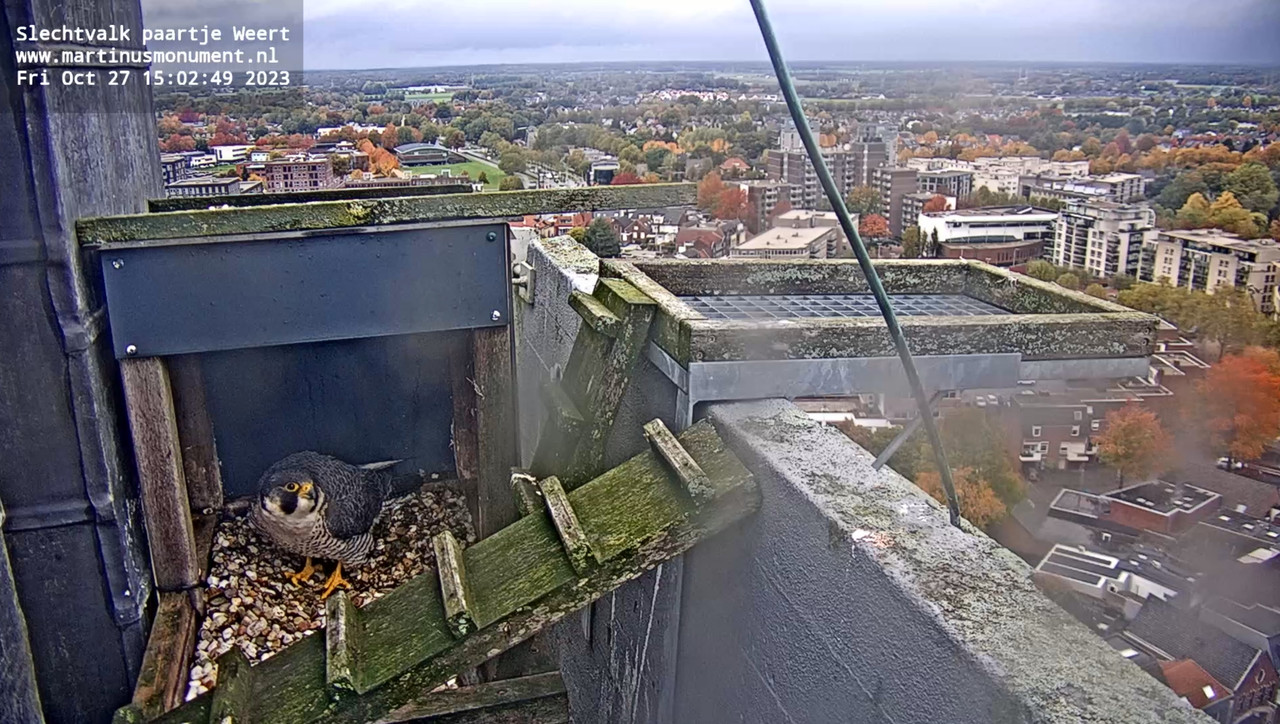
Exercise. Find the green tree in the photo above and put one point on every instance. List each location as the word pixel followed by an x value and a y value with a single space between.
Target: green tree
pixel 1096 290
pixel 579 233
pixel 1069 280
pixel 973 439
pixel 1042 270
pixel 484 178
pixel 1180 189
pixel 1253 186
pixel 931 248
pixel 864 201
pixel 1121 282
pixel 510 183
pixel 912 247
pixel 602 239
pixel 512 161
pixel 906 460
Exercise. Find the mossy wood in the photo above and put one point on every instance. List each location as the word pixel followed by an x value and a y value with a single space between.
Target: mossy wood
pixel 375 212
pixel 521 581
pixel 180 203
pixel 1045 322
pixel 533 699
pixel 583 404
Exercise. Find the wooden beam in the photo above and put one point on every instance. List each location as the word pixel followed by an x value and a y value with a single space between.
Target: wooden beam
pixel 146 228
pixel 535 699
pixel 495 429
pixel 166 506
pixel 233 697
pixel 195 433
pixel 464 440
pixel 166 662
pixel 572 538
pixel 344 634
pixel 453 584
pixel 679 460
pixel 595 314
pixel 525 488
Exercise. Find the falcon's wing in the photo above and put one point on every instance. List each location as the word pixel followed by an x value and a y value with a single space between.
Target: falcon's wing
pixel 353 501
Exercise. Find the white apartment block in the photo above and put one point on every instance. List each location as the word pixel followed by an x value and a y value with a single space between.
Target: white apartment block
pixel 990 224
pixel 1207 259
pixel 1001 174
pixel 1102 237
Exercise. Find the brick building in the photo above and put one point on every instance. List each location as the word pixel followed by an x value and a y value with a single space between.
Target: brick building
pixel 300 174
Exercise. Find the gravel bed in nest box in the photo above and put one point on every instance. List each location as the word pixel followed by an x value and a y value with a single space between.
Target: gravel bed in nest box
pixel 251 604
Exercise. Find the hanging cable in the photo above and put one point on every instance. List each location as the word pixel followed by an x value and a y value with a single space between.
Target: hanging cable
pixel 860 250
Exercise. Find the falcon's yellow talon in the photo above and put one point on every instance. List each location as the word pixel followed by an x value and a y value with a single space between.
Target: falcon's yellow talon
pixel 335 580
pixel 303 575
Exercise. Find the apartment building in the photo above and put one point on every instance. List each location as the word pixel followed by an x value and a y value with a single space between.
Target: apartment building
pixel 1118 187
pixel 300 173
pixel 850 164
pixel 948 182
pixel 1002 174
pixel 763 198
pixel 894 183
pixel 1207 259
pixel 1102 237
pixel 1001 235
pixel 787 243
pixel 211 186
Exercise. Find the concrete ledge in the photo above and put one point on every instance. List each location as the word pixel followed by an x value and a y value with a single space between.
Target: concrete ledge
pixel 849 598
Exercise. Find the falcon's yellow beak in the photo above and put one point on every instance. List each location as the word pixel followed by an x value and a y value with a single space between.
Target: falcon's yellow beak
pixel 304 489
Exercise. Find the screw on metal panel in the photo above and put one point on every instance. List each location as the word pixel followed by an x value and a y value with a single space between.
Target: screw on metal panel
pixel 117 263
pixel 496 315
pixel 131 349
pixel 492 236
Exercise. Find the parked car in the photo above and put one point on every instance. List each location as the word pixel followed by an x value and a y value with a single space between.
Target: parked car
pixel 1229 464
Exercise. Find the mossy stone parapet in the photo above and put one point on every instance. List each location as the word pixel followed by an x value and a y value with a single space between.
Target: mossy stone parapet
pixel 375 212
pixel 1045 321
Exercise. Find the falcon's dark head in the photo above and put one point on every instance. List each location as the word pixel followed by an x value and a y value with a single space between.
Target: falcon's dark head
pixel 289 493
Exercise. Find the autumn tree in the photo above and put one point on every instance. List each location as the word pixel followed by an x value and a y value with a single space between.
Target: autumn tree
pixel 578 234
pixel 1096 290
pixel 709 190
pixel 873 226
pixel 1238 402
pixel 719 200
pixel 625 179
pixel 454 138
pixel 978 502
pixel 1134 443
pixel 1069 280
pixel 864 201
pixel 602 239
pixel 937 203
pixel 1275 229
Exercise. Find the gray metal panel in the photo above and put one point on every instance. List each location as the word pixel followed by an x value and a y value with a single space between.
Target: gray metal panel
pixel 285 288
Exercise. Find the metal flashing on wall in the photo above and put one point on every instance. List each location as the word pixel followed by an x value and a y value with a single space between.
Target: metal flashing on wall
pixel 220 293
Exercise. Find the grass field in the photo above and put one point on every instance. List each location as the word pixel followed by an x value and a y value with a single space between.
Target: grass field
pixel 473 169
pixel 424 97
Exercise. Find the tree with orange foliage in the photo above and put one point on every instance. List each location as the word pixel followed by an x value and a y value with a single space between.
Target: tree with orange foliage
pixel 709 190
pixel 1239 402
pixel 732 204
pixel 937 203
pixel 390 136
pixel 978 502
pixel 1275 230
pixel 1134 443
pixel 930 138
pixel 625 179
pixel 873 226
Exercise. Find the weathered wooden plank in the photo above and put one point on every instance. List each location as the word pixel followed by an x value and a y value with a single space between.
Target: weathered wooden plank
pixel 464 440
pixel 166 662
pixel 188 203
pixel 574 540
pixel 205 527
pixel 525 488
pixel 195 433
pixel 375 212
pixel 344 634
pixel 495 428
pixel 233 698
pixel 534 699
pixel 679 460
pixel 595 314
pixel 635 516
pixel 166 506
pixel 453 584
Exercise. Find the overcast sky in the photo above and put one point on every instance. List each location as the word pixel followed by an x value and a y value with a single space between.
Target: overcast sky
pixel 407 33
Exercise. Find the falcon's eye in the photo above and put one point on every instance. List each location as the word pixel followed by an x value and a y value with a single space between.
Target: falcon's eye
pixel 291 487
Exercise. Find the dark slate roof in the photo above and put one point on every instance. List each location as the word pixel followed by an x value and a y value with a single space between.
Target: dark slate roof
pixel 1263 619
pixel 1183 636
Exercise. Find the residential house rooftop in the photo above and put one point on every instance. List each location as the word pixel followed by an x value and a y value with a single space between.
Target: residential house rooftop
pixel 1179 634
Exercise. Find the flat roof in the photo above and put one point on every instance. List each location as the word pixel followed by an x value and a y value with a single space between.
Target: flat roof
pixel 205 181
pixel 1225 239
pixel 1015 212
pixel 786 238
pixel 1164 498
pixel 1247 525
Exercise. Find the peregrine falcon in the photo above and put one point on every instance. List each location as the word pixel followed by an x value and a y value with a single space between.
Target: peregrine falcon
pixel 317 505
